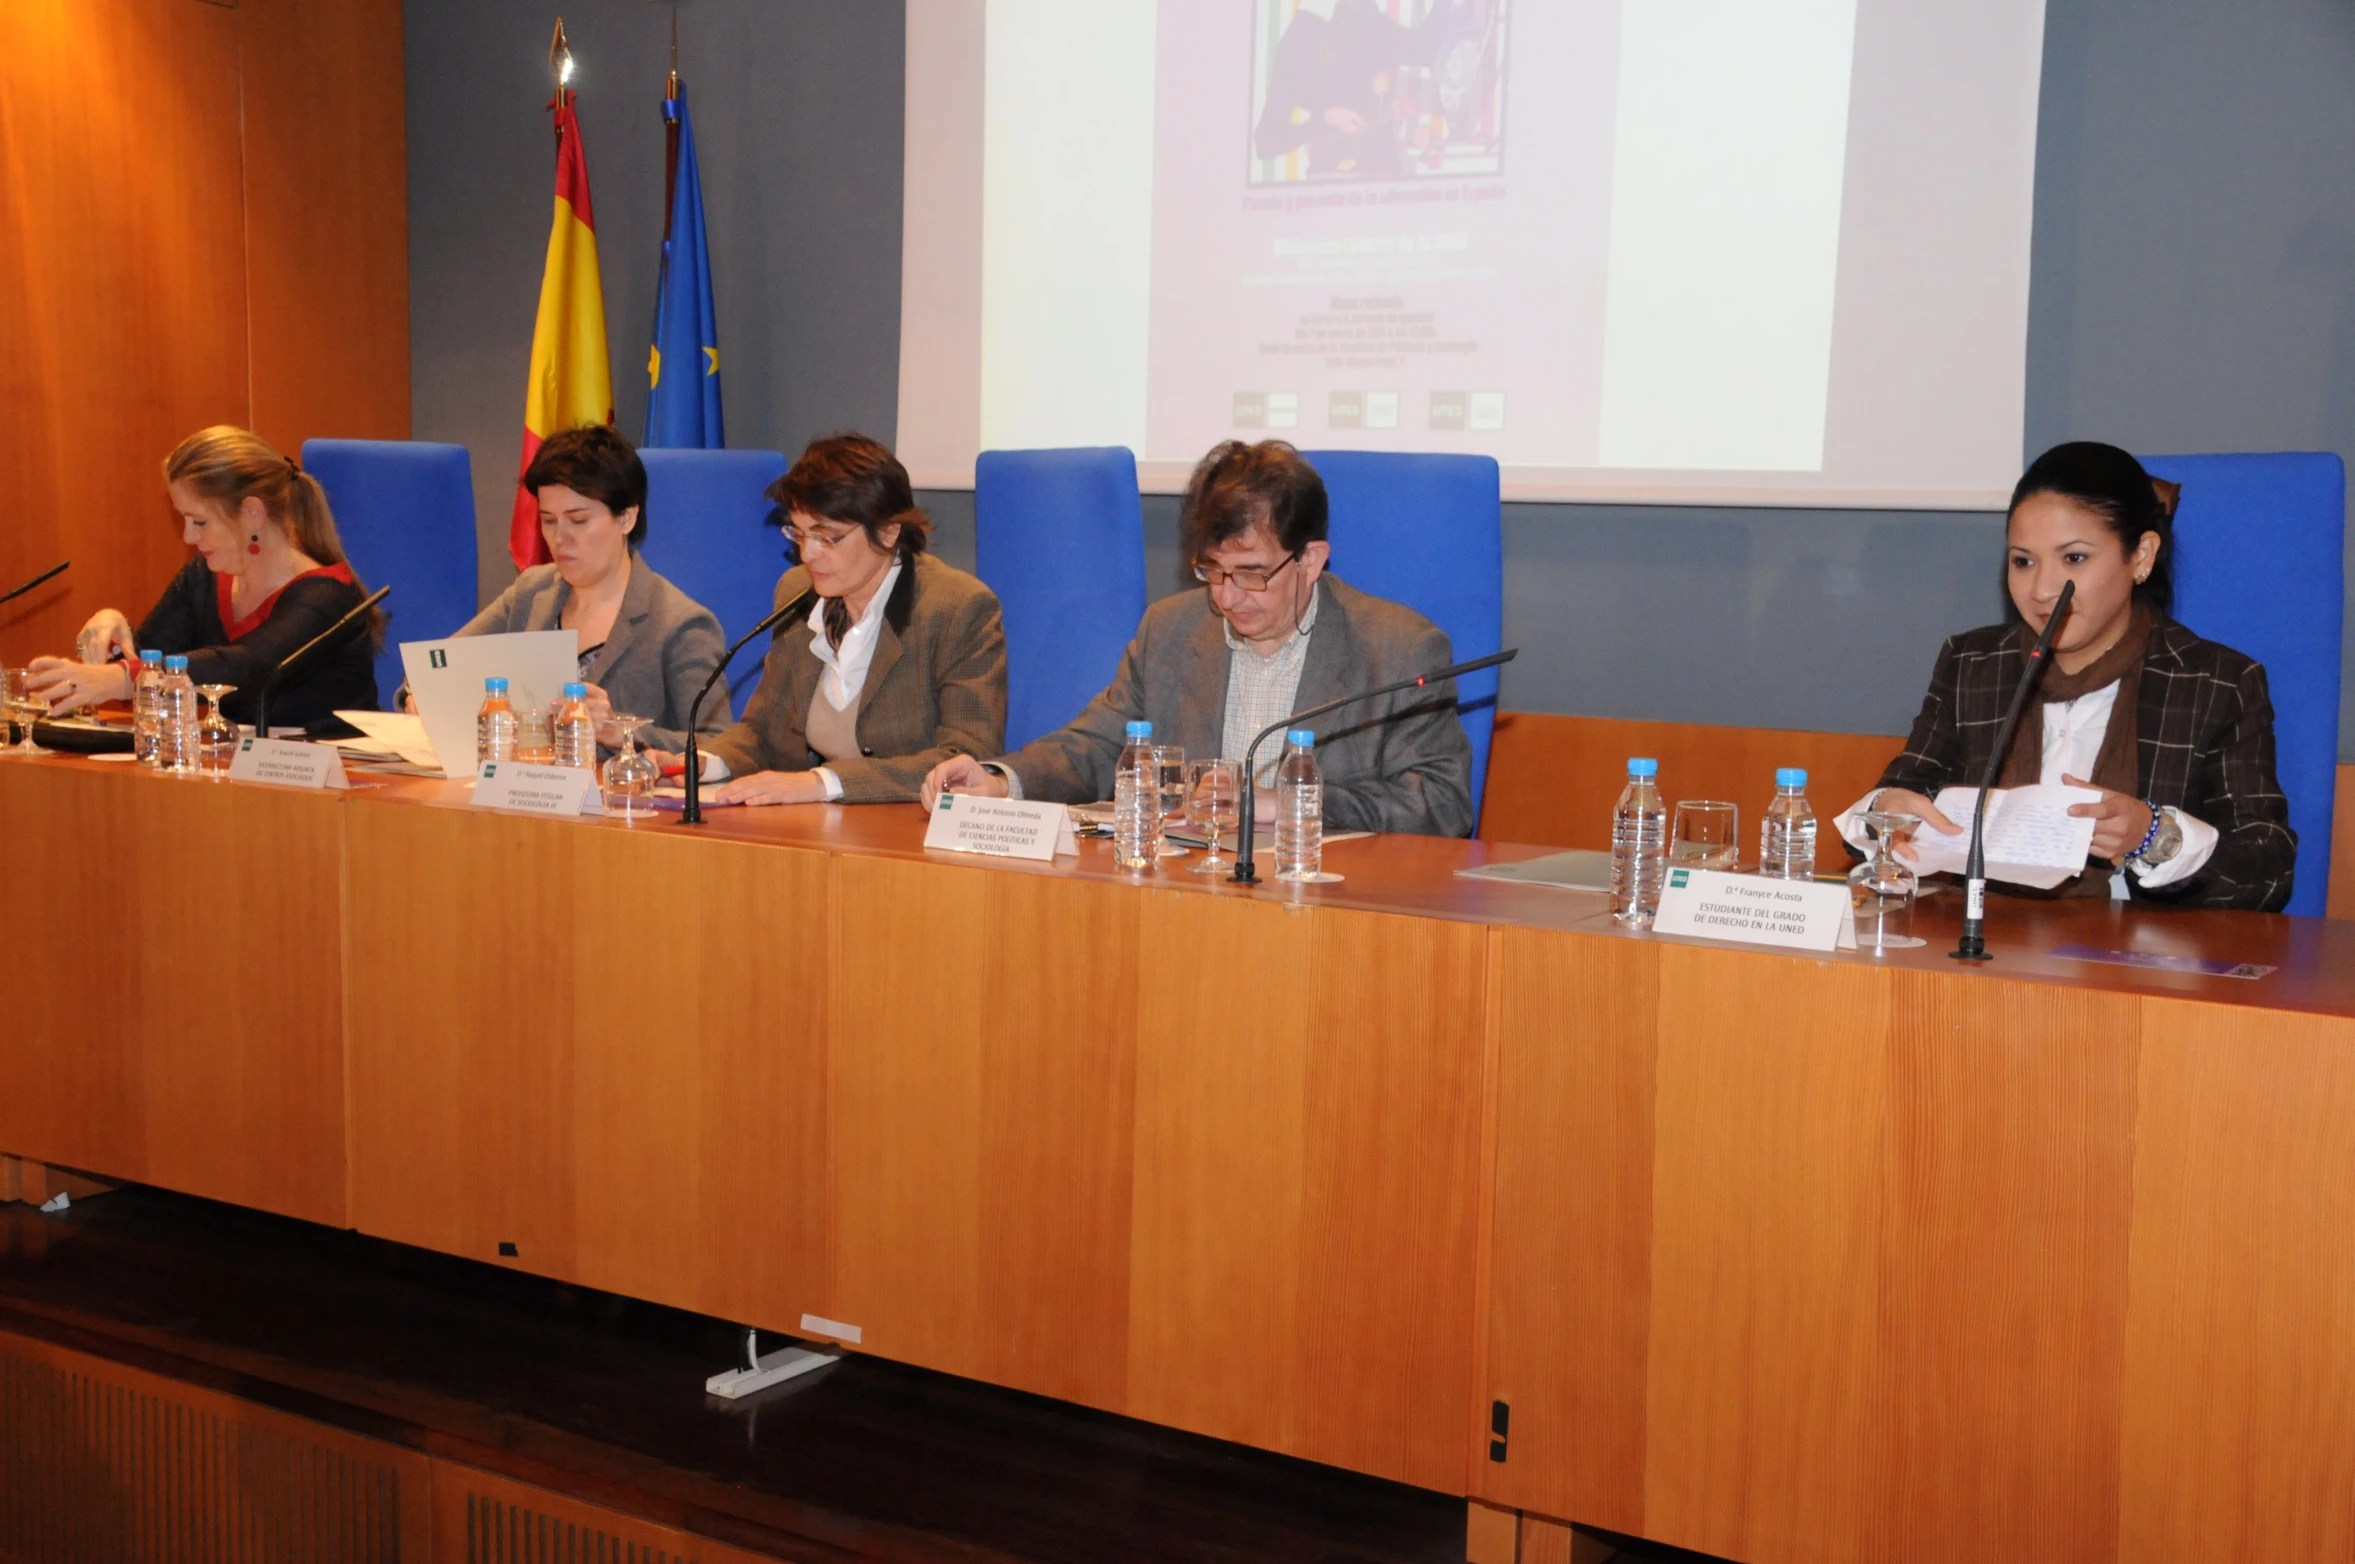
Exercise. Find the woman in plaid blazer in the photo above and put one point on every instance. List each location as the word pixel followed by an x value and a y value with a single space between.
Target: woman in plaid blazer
pixel 2175 731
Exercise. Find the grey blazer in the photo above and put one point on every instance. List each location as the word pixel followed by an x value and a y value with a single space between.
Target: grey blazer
pixel 1400 763
pixel 663 646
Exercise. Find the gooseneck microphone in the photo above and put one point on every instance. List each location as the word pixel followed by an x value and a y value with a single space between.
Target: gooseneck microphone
pixel 1245 874
pixel 691 813
pixel 16 592
pixel 327 637
pixel 1973 946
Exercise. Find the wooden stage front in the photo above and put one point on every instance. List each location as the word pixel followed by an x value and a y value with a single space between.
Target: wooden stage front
pixel 1775 1257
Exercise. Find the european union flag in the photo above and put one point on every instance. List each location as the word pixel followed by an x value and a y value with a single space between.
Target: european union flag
pixel 684 368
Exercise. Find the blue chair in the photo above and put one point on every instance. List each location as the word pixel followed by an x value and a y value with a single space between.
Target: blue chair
pixel 707 529
pixel 1428 531
pixel 2286 515
pixel 405 509
pixel 1060 537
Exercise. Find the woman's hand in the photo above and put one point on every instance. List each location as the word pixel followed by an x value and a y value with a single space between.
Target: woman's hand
pixel 70 686
pixel 106 631
pixel 2120 822
pixel 1899 801
pixel 601 708
pixel 772 787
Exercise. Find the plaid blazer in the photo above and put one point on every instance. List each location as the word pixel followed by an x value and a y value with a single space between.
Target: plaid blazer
pixel 936 687
pixel 2205 726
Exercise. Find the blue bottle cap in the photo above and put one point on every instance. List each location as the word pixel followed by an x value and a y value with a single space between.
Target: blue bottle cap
pixel 576 692
pixel 1790 776
pixel 1638 766
pixel 494 686
pixel 175 665
pixel 1140 730
pixel 151 655
pixel 1302 736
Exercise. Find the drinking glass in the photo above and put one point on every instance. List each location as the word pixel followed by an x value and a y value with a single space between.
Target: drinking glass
pixel 216 735
pixel 631 775
pixel 1169 772
pixel 1883 887
pixel 1214 793
pixel 24 708
pixel 1708 835
pixel 535 736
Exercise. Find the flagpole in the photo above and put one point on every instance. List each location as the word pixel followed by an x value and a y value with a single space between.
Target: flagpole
pixel 670 131
pixel 560 63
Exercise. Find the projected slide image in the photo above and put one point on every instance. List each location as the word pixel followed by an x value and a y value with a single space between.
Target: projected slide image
pixel 1376 89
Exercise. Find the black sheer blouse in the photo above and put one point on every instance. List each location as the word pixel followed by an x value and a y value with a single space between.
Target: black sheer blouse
pixel 193 618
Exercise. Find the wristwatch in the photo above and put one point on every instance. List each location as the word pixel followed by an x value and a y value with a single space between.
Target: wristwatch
pixel 2164 841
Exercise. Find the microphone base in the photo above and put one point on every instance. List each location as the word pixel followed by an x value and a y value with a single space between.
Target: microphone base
pixel 1970 948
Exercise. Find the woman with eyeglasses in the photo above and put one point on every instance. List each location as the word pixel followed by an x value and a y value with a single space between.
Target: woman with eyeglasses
pixel 892 661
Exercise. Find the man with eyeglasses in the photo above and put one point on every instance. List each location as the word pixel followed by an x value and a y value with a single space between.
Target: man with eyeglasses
pixel 1272 632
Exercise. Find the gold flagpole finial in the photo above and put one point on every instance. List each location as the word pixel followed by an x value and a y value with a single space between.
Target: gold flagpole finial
pixel 560 59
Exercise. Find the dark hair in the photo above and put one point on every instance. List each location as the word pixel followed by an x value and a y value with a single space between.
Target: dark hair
pixel 1238 487
pixel 2113 485
pixel 596 460
pixel 850 478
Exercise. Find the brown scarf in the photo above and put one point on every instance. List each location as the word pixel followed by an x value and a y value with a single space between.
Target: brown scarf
pixel 2117 766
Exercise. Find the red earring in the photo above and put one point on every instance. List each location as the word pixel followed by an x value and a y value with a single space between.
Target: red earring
pixel 254 544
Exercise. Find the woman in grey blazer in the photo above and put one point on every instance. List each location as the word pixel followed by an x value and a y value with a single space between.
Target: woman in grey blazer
pixel 646 646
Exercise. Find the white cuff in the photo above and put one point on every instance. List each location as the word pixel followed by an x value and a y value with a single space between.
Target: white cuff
pixel 831 782
pixel 2199 845
pixel 714 768
pixel 1013 782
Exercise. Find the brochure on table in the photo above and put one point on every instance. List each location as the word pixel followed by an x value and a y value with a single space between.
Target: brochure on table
pixel 446 678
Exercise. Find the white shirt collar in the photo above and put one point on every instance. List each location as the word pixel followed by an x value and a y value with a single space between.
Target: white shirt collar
pixel 846 665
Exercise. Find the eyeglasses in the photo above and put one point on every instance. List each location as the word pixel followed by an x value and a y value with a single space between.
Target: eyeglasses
pixel 1250 579
pixel 803 538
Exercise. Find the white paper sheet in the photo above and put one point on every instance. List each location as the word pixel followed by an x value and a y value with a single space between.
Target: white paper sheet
pixel 445 679
pixel 399 732
pixel 2032 839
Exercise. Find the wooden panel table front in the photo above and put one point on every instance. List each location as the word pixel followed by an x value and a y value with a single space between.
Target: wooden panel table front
pixel 1779 1257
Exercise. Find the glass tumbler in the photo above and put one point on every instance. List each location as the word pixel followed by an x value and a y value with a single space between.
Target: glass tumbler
pixel 1708 835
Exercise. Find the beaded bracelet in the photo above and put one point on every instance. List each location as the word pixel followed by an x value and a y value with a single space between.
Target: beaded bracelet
pixel 2148 836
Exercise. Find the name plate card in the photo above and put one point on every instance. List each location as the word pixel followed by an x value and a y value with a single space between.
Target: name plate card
pixel 287 763
pixel 1001 827
pixel 1751 909
pixel 563 791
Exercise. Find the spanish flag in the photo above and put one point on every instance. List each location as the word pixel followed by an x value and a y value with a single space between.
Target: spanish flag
pixel 572 380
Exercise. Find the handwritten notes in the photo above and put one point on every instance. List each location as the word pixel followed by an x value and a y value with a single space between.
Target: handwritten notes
pixel 2032 839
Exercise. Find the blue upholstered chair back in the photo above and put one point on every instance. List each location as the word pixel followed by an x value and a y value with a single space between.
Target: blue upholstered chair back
pixel 1428 531
pixel 2259 551
pixel 405 509
pixel 1060 537
pixel 707 530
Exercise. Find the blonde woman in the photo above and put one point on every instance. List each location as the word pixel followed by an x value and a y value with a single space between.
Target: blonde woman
pixel 268 575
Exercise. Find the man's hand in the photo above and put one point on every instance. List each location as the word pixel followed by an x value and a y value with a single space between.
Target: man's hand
pixel 2120 821
pixel 960 774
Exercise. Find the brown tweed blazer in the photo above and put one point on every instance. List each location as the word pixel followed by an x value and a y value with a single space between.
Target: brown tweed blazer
pixel 2204 728
pixel 936 688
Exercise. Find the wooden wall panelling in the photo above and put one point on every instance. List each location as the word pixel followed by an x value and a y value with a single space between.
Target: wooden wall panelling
pixel 1569 1304
pixel 102 1461
pixel 326 191
pixel 122 290
pixel 465 935
pixel 1771 1111
pixel 480 1518
pixel 2008 1180
pixel 699 1076
pixel 983 1111
pixel 189 1034
pixel 2240 1343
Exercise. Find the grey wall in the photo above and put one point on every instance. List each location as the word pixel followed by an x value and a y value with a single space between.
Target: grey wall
pixel 2193 290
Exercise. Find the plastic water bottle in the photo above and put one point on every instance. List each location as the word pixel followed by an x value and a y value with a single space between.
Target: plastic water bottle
pixel 494 724
pixel 145 683
pixel 1300 809
pixel 1786 838
pixel 1136 802
pixel 576 730
pixel 175 718
pixel 1639 846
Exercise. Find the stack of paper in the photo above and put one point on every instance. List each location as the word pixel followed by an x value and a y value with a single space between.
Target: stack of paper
pixel 2032 839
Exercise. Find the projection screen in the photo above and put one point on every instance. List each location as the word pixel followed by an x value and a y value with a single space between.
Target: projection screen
pixel 1672 251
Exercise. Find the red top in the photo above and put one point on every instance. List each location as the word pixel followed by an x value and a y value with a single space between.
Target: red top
pixel 240 628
